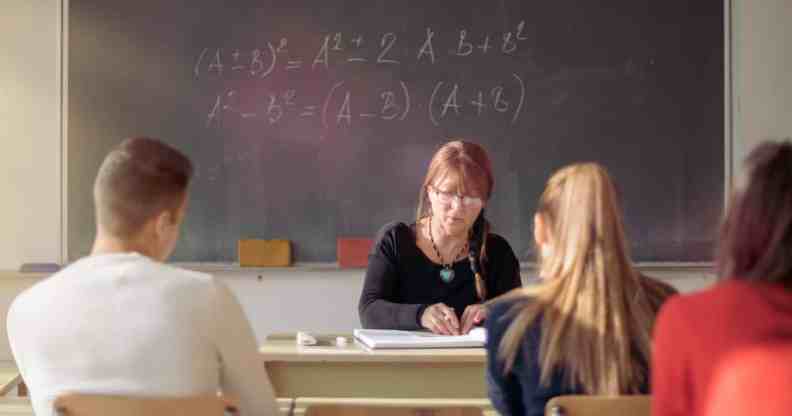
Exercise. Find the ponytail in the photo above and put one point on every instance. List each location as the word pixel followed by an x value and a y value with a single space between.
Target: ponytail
pixel 477 253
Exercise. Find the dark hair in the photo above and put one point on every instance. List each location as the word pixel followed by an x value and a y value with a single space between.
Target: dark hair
pixel 756 235
pixel 138 180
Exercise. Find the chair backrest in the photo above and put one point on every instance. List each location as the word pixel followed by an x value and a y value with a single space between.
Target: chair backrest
pixel 581 405
pixel 74 404
pixel 16 406
pixel 389 407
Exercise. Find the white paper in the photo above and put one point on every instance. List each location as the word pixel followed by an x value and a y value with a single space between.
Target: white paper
pixel 387 338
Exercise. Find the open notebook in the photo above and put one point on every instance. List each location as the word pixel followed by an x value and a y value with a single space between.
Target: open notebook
pixel 387 338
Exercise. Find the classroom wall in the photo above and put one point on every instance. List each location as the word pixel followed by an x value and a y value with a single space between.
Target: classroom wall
pixel 324 300
pixel 30 158
pixel 30 132
pixel 328 300
pixel 761 72
pixel 319 300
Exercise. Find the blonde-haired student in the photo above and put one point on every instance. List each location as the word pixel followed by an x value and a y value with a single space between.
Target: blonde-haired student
pixel 586 328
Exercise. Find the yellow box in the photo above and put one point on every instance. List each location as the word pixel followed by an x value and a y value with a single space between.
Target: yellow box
pixel 264 253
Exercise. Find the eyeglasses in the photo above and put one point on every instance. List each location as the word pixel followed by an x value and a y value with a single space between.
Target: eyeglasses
pixel 449 197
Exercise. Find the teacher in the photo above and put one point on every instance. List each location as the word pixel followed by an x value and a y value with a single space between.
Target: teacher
pixel 434 273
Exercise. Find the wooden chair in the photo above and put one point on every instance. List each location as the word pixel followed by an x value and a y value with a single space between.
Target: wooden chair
pixel 11 379
pixel 580 405
pixel 74 404
pixel 338 406
pixel 16 406
pixel 21 406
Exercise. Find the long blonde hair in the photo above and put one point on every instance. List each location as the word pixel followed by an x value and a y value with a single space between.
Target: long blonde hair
pixel 596 310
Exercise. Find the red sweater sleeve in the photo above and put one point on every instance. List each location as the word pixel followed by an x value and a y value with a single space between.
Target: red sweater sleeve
pixel 670 385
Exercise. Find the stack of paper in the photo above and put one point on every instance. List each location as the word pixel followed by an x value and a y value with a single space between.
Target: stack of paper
pixel 386 338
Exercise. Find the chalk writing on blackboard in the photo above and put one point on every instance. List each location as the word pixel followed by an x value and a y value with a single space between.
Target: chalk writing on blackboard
pixel 337 107
pixel 340 48
pixel 339 103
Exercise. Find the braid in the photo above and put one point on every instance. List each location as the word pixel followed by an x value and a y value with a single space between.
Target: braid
pixel 477 253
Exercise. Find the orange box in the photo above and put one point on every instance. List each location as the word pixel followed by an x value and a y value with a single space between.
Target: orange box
pixel 353 252
pixel 264 253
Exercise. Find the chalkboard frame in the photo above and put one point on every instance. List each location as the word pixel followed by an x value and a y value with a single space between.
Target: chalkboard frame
pixel 727 143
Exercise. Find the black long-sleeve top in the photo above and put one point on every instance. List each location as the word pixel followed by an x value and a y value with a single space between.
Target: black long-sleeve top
pixel 401 281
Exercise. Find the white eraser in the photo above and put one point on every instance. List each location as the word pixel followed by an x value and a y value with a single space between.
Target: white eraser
pixel 341 342
pixel 304 338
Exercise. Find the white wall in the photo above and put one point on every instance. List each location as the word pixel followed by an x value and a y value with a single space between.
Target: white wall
pixel 324 300
pixel 314 301
pixel 319 300
pixel 30 132
pixel 762 73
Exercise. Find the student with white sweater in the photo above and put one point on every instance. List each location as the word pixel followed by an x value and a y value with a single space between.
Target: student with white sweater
pixel 120 321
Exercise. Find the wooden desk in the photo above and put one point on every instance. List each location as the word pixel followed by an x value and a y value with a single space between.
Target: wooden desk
pixel 369 406
pixel 353 371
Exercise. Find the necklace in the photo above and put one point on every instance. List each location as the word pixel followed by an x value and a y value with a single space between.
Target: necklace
pixel 446 273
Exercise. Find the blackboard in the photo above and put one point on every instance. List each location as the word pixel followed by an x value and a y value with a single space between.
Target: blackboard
pixel 312 119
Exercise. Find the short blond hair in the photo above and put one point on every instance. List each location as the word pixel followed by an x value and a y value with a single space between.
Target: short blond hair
pixel 138 180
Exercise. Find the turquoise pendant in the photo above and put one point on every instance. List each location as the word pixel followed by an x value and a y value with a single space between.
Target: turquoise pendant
pixel 446 275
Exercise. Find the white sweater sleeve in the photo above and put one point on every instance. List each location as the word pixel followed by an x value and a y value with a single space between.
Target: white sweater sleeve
pixel 243 374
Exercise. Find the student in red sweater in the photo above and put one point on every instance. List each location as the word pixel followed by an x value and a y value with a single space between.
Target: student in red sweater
pixel 753 381
pixel 696 334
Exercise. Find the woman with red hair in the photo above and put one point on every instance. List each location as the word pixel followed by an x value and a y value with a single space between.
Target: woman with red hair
pixel 435 272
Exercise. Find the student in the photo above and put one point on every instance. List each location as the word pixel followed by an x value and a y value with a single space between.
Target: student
pixel 434 273
pixel 120 321
pixel 585 329
pixel 752 305
pixel 754 380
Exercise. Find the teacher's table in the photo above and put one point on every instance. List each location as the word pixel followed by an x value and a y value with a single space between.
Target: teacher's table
pixel 326 370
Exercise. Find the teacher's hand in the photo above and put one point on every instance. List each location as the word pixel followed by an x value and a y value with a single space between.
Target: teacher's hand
pixel 440 319
pixel 473 315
